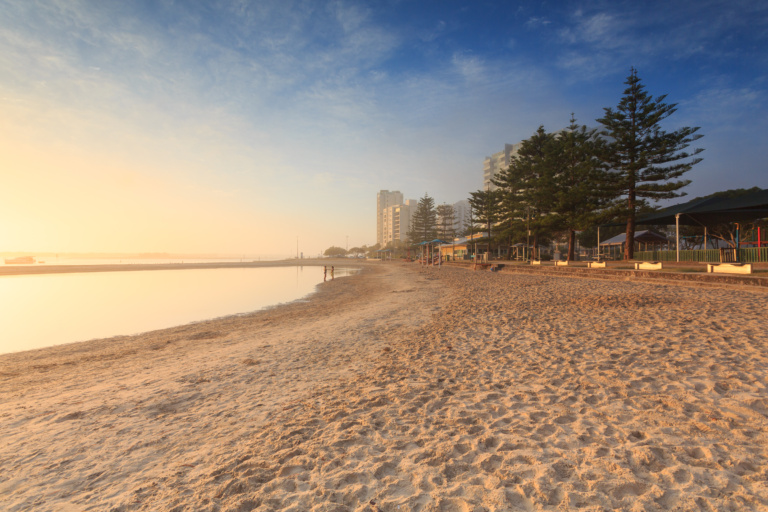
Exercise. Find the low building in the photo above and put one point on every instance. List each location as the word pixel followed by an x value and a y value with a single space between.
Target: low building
pixel 460 248
pixel 644 240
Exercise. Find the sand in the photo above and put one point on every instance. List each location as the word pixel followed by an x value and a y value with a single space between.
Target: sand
pixel 404 389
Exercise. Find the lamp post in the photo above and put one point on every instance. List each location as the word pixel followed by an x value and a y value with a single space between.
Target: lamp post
pixel 598 242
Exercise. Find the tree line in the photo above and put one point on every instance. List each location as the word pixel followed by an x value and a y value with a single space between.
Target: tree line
pixel 571 180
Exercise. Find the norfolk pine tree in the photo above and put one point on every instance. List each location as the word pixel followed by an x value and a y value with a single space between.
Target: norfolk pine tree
pixel 446 220
pixel 485 206
pixel 512 212
pixel 424 222
pixel 581 183
pixel 647 161
pixel 527 186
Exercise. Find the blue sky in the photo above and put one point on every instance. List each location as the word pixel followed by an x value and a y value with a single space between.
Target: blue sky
pixel 237 126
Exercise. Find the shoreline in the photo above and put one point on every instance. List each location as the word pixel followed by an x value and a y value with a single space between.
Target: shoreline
pixel 62 308
pixel 676 274
pixel 12 270
pixel 406 388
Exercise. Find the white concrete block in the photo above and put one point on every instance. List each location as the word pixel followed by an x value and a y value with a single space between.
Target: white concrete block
pixel 730 268
pixel 648 265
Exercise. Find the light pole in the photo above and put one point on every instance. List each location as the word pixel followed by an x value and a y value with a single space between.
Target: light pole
pixel 297 247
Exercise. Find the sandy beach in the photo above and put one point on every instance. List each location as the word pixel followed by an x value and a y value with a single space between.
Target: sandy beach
pixel 402 389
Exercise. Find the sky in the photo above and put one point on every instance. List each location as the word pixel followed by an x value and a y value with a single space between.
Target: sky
pixel 244 127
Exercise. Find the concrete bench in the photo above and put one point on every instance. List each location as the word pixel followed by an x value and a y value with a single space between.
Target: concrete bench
pixel 561 263
pixel 648 265
pixel 535 262
pixel 596 264
pixel 730 268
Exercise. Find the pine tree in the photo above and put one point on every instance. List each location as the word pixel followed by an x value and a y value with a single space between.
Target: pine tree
pixel 527 187
pixel 485 207
pixel 468 223
pixel 648 161
pixel 446 221
pixel 581 181
pixel 424 222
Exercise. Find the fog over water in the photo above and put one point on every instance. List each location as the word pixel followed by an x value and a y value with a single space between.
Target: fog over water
pixel 45 310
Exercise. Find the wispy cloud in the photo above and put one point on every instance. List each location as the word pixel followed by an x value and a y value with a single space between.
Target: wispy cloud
pixel 537 22
pixel 725 107
pixel 599 40
pixel 435 32
pixel 469 66
pixel 340 97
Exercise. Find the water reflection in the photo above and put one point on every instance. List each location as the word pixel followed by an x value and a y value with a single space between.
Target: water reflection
pixel 55 261
pixel 45 310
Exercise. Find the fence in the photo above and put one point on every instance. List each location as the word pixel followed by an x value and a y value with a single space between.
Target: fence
pixel 748 255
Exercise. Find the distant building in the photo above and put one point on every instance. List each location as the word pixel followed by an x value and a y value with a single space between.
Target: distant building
pixel 394 215
pixel 396 221
pixel 384 200
pixel 497 162
pixel 461 215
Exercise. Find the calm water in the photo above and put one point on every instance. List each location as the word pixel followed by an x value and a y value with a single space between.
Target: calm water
pixel 49 261
pixel 43 310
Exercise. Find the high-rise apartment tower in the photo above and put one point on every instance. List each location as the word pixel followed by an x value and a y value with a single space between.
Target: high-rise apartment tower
pixel 385 199
pixel 496 163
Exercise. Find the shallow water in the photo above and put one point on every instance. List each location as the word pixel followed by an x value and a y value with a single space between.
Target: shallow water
pixel 43 310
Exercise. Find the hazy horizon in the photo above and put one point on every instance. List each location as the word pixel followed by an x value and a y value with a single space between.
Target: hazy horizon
pixel 236 127
pixel 144 255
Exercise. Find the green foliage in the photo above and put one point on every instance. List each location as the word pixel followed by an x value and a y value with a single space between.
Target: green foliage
pixel 446 218
pixel 648 162
pixel 468 222
pixel 731 193
pixel 581 185
pixel 334 252
pixel 371 251
pixel 486 207
pixel 527 189
pixel 424 221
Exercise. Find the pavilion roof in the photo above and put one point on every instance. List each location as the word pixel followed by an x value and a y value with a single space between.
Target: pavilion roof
pixel 713 210
pixel 645 236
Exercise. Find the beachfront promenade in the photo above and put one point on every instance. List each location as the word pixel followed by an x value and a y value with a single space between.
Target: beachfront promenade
pixel 408 388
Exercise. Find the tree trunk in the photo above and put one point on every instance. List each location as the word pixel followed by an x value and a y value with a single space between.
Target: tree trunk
pixel 571 244
pixel 629 243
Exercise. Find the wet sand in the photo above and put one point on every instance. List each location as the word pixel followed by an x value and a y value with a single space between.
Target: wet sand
pixel 404 388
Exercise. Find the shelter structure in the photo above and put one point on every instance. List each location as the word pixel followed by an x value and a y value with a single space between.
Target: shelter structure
pixel 642 238
pixel 710 210
pixel 459 248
